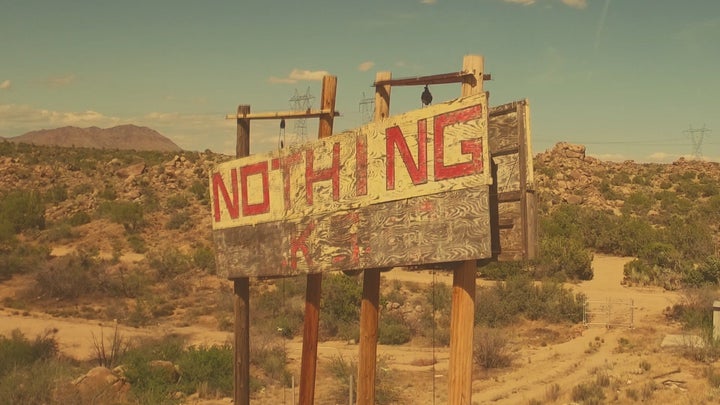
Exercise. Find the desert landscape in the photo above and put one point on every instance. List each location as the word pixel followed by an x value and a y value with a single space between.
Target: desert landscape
pixel 151 279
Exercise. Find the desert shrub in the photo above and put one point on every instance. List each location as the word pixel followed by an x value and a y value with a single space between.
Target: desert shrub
pixel 204 259
pixel 497 270
pixel 179 220
pixel 340 306
pixel 137 243
pixel 272 360
pixel 637 203
pixel 691 236
pixel 695 309
pixel 562 257
pixel 169 262
pixel 59 232
pixel 705 273
pixel 150 384
pixel 640 272
pixel 588 394
pixel 519 296
pixel 126 213
pixel 207 368
pixel 69 276
pixel 435 322
pixel 341 369
pixel 57 193
pixel 177 202
pixel 20 258
pixel 108 193
pixel 79 218
pixel 83 188
pixel 22 210
pixel 278 311
pixel 108 350
pixel 491 348
pixel 38 383
pixel 386 390
pixel 201 191
pixel 17 350
pixel 393 330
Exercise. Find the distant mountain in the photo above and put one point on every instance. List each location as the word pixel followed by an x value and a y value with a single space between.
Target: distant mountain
pixel 120 137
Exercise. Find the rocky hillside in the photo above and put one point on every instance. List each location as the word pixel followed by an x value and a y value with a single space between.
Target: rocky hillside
pixel 565 174
pixel 129 137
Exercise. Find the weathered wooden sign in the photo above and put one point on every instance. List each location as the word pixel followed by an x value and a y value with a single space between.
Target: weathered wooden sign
pixel 411 189
pixel 515 222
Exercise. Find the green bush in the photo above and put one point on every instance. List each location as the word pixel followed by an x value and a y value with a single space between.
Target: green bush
pixel 204 259
pixel 170 262
pixel 179 220
pixel 126 213
pixel 393 330
pixel 79 218
pixel 340 306
pixel 505 302
pixel 22 210
pixel 562 257
pixel 57 193
pixel 20 258
pixel 177 202
pixel 201 191
pixel 137 243
pixel 17 350
pixel 208 368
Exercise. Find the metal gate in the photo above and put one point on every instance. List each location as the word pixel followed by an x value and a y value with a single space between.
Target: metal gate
pixel 609 312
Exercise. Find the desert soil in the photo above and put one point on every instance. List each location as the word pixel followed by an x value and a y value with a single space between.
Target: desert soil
pixel 543 354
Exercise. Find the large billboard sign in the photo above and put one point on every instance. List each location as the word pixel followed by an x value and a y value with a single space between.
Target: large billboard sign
pixel 411 189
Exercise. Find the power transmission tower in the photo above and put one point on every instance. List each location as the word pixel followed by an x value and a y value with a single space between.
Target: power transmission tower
pixel 367 108
pixel 696 136
pixel 301 103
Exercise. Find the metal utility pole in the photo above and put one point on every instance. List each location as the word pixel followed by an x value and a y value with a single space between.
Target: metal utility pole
pixel 696 136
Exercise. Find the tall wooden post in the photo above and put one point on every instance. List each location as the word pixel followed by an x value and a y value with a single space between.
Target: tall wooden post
pixel 462 318
pixel 370 306
pixel 241 289
pixel 308 363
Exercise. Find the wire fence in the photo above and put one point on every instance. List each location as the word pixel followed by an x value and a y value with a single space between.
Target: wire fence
pixel 609 312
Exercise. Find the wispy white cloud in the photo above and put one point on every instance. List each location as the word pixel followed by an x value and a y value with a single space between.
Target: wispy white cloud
pixel 28 118
pixel 579 4
pixel 60 81
pixel 365 66
pixel 523 2
pixel 5 84
pixel 297 75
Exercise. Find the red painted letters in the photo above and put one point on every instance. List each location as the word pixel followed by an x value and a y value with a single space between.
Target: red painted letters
pixel 417 171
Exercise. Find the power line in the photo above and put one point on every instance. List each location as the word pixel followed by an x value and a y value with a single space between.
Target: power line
pixel 301 103
pixel 696 136
pixel 367 108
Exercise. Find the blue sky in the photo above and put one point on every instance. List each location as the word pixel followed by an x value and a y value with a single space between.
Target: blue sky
pixel 623 77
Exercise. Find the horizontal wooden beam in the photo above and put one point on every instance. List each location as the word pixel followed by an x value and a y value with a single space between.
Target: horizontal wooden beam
pixel 283 115
pixel 509 196
pixel 443 78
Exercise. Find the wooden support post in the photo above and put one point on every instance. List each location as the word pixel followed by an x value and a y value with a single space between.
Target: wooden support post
pixel 369 316
pixel 308 363
pixel 241 289
pixel 370 306
pixel 462 318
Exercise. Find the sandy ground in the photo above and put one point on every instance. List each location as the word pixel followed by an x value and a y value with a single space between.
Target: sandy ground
pixel 594 349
